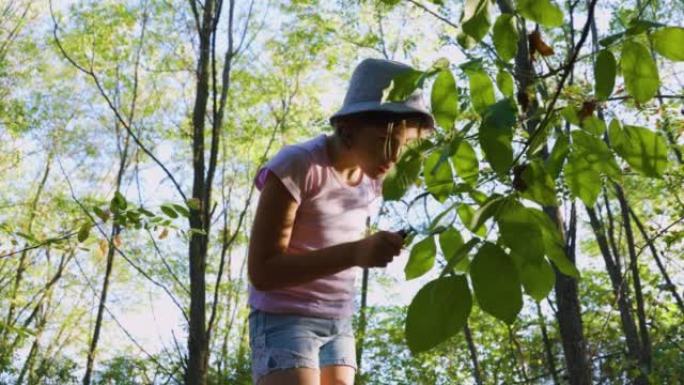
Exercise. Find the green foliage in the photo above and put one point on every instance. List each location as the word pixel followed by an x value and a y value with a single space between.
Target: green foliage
pixel 544 12
pixel 604 74
pixel 445 99
pixel 539 185
pixel 496 134
pixel 438 311
pixel 668 42
pixel 500 297
pixel 639 70
pixel 640 147
pixel 505 39
pixel 400 177
pixel 422 258
pixel 481 89
pixel 504 81
pixel 476 19
pixel 438 176
pixel 465 161
pixel 521 232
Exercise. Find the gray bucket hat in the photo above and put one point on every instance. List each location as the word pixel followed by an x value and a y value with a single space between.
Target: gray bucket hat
pixel 370 78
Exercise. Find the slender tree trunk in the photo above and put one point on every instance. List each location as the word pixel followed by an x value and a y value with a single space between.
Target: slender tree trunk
pixel 548 347
pixel 198 339
pixel 621 294
pixel 477 374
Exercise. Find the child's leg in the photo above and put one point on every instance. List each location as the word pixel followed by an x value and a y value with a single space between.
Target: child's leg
pixel 337 375
pixel 298 376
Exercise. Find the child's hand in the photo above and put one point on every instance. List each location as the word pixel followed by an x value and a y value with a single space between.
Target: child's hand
pixel 378 249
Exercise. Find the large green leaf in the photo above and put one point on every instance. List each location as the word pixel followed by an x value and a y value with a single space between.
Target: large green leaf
pixel 467 214
pixel 449 241
pixel 639 70
pixel 465 162
pixel 402 175
pixel 438 311
pixel 539 186
pixel 476 19
pixel 595 152
pixel 543 12
pixel 604 74
pixel 444 99
pixel 554 163
pixel 669 42
pixel 641 148
pixel 496 283
pixel 593 125
pixel 496 135
pixel 481 89
pixel 537 278
pixel 554 245
pixel 405 84
pixel 488 210
pixel 438 177
pixel 520 231
pixel 459 262
pixel 505 36
pixel 582 179
pixel 422 258
pixel 504 81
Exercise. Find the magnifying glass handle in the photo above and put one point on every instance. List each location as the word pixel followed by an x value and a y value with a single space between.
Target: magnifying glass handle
pixel 404 233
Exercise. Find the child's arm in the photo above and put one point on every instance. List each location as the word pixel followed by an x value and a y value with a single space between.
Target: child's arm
pixel 269 267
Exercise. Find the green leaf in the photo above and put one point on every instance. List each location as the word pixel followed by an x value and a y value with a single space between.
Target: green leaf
pixel 193 203
pixel 466 213
pixel 496 135
pixel 181 210
pixel 476 19
pixel 444 100
pixel 496 283
pixel 543 12
pixel 554 163
pixel 641 148
pixel 538 279
pixel 539 184
pixel 422 258
pixel 450 240
pixel 607 41
pixel 669 42
pixel 404 85
pixel 481 89
pixel 104 216
pixel 118 202
pixel 438 311
pixel 555 245
pixel 458 261
pixel 595 152
pixel 464 40
pixel 582 179
pixel 521 232
pixel 593 125
pixel 438 177
pixel 490 209
pixel 604 74
pixel 465 162
pixel 169 211
pixel 505 36
pixel 402 175
pixel 84 232
pixel 639 70
pixel 504 81
pixel 571 114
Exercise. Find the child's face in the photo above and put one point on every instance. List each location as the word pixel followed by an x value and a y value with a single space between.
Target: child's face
pixel 378 146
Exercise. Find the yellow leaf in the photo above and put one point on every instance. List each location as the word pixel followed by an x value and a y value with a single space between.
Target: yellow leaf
pixel 164 233
pixel 103 246
pixel 117 240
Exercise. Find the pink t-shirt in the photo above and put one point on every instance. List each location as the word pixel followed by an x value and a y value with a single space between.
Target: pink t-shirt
pixel 330 212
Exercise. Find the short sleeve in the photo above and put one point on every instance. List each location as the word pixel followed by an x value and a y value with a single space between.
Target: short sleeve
pixel 291 165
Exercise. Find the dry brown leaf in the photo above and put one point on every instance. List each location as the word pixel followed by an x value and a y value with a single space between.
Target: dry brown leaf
pixel 538 45
pixel 587 109
pixel 103 246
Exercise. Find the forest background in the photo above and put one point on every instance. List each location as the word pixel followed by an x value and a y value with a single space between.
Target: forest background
pixel 131 132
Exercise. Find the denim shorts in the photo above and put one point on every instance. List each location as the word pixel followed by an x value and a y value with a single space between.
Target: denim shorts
pixel 285 341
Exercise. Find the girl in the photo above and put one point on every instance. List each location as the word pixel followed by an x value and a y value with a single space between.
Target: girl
pixel 308 232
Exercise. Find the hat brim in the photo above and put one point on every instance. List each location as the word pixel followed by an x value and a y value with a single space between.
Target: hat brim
pixel 396 108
